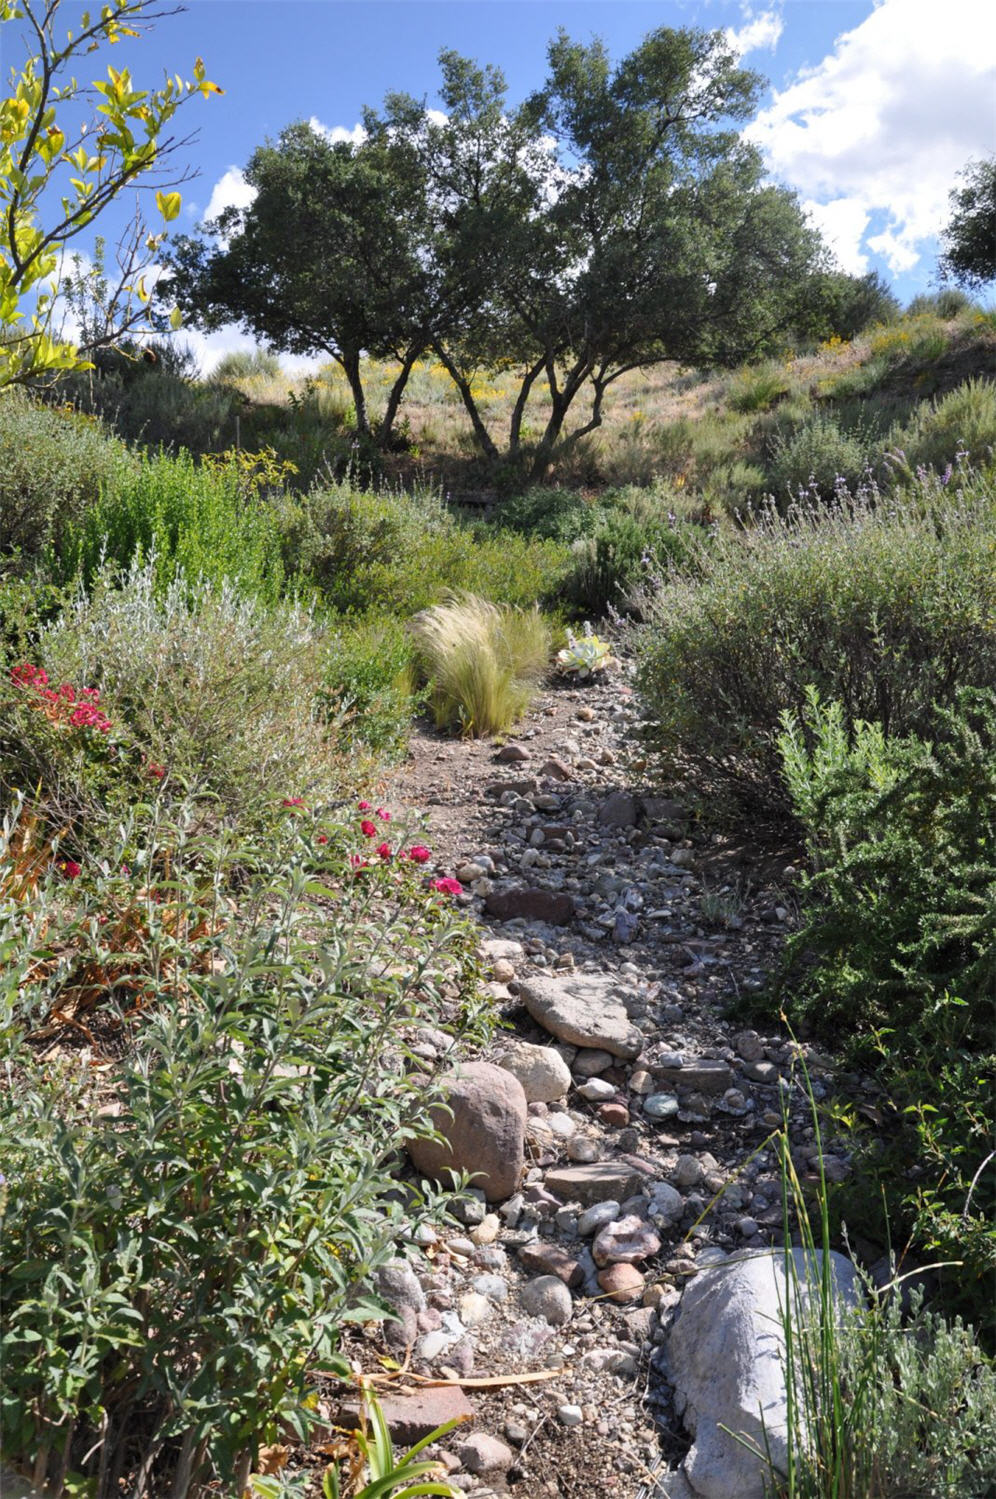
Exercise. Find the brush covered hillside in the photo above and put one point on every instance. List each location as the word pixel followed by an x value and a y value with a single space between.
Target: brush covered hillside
pixel 221 609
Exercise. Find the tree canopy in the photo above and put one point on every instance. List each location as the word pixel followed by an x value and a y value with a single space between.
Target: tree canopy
pixel 613 220
pixel 969 256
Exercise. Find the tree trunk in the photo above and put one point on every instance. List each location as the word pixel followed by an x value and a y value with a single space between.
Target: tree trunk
pixel 397 391
pixel 481 432
pixel 561 400
pixel 351 368
pixel 519 410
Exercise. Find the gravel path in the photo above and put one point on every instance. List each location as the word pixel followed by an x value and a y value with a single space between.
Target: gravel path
pixel 602 905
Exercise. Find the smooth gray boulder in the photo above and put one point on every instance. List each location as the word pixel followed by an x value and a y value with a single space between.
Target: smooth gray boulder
pixel 726 1360
pixel 586 1009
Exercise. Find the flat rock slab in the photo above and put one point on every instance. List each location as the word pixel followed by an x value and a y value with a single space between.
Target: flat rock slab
pixel 702 1076
pixel 584 1009
pixel 531 904
pixel 411 1417
pixel 596 1181
pixel 725 1359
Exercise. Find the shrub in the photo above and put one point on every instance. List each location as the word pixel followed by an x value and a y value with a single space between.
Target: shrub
pixel 553 514
pixel 218 688
pixel 481 662
pixel 368 687
pixel 54 465
pixel 246 364
pixel 884 608
pixel 897 950
pixel 638 536
pixel 953 430
pixel 196 518
pixel 182 1246
pixel 759 389
pixel 387 551
pixel 818 459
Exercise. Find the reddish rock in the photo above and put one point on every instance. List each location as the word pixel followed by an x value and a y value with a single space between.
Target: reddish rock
pixel 544 1258
pixel 484 1135
pixel 412 1417
pixel 621 1283
pixel 532 904
pixel 628 1239
pixel 556 769
pixel 614 1115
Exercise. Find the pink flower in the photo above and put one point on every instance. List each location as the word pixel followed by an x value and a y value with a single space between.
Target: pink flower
pixel 67 692
pixel 368 829
pixel 155 771
pixel 23 674
pixel 292 801
pixel 357 861
pixel 384 816
pixel 41 678
pixel 90 695
pixel 383 851
pixel 364 806
pixel 419 854
pixel 70 869
pixel 447 886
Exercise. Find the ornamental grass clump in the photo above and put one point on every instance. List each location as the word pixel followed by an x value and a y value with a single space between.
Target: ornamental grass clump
pixel 482 662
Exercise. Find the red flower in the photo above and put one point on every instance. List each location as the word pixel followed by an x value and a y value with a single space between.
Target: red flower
pixel 419 854
pixel 322 838
pixel 384 816
pixel 67 692
pixel 368 829
pixel 357 861
pixel 383 851
pixel 23 674
pixel 90 695
pixel 447 886
pixel 155 771
pixel 70 868
pixel 292 801
pixel 40 678
pixel 364 806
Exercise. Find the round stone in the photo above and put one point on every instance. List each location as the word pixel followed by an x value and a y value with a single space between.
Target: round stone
pixel 660 1105
pixel 549 1298
pixel 570 1415
pixel 621 1283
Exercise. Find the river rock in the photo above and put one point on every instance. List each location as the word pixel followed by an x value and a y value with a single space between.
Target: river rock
pixel 628 1240
pixel 585 1009
pixel 485 1135
pixel 725 1359
pixel 549 1298
pixel 704 1075
pixel 531 904
pixel 543 1073
pixel 596 1181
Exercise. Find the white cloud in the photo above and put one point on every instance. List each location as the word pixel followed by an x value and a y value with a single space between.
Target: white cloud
pixel 760 32
pixel 884 124
pixel 335 133
pixel 230 191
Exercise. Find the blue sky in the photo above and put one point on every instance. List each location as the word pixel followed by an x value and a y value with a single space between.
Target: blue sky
pixel 870 112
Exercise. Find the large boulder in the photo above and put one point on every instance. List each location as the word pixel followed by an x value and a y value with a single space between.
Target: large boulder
pixel 726 1360
pixel 482 1129
pixel 585 1009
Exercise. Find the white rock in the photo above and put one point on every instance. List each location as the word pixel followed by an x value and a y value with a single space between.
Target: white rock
pixel 543 1073
pixel 597 1090
pixel 726 1361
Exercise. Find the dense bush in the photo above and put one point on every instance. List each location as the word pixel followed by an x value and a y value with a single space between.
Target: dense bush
pixel 950 431
pixel 217 688
pixel 386 551
pixel 897 952
pixel 179 515
pixel 368 687
pixel 885 608
pixel 186 1237
pixel 819 457
pixel 637 536
pixel 54 465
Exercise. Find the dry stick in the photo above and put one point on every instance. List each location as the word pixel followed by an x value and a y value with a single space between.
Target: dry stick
pixel 484 1382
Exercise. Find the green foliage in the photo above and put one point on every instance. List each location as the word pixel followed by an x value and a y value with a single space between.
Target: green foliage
pixel 481 662
pixel 386 551
pixel 176 1260
pixel 818 459
pixel 54 466
pixel 217 687
pixel 969 256
pixel 845 306
pixel 178 515
pixel 956 429
pixel 884 608
pixel 248 364
pixel 884 1401
pixel 389 1477
pixel 897 951
pixel 554 514
pixel 39 165
pixel 638 538
pixel 759 389
pixel 368 688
